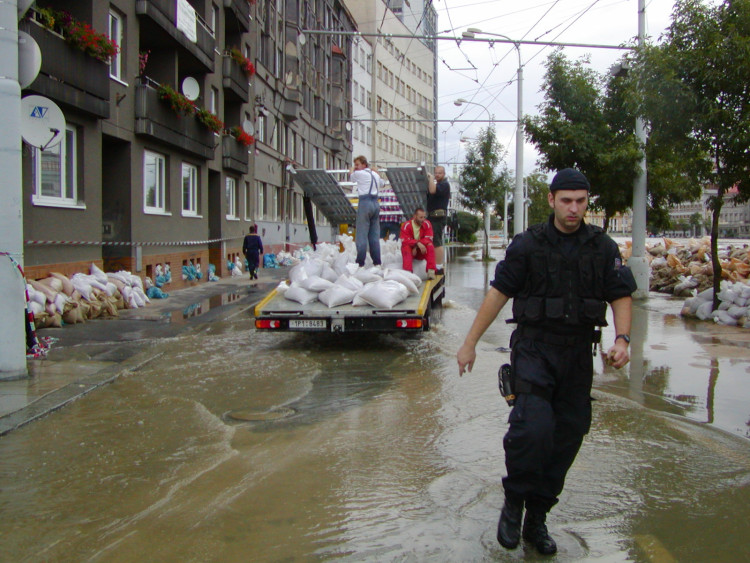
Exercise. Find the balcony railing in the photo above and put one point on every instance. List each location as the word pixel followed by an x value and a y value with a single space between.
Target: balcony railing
pixel 164 14
pixel 424 140
pixel 234 155
pixel 235 80
pixel 68 74
pixel 240 9
pixel 155 118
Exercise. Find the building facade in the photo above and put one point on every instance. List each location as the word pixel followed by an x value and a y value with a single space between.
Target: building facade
pixel 153 167
pixel 401 100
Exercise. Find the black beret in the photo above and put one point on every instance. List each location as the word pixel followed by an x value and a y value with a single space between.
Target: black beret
pixel 569 179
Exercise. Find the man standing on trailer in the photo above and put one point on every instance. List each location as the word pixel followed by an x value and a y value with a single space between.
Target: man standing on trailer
pixel 367 183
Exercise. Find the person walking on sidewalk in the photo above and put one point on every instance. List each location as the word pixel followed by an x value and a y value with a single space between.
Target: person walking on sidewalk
pixel 416 242
pixel 252 248
pixel 367 183
pixel 438 198
pixel 561 275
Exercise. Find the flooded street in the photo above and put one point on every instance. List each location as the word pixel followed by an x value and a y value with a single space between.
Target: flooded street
pixel 234 446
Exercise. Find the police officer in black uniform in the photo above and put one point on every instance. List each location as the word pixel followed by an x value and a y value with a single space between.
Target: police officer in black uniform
pixel 561 275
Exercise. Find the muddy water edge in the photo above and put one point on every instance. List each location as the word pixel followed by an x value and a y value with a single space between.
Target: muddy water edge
pixel 236 446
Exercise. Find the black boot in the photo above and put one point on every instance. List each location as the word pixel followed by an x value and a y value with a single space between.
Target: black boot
pixel 509 526
pixel 535 532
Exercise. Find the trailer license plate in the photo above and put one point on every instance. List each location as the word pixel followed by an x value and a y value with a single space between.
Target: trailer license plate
pixel 308 324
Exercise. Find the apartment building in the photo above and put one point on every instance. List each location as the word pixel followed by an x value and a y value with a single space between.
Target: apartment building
pixel 146 177
pixel 402 105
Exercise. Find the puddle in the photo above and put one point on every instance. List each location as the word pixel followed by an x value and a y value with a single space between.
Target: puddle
pixel 202 307
pixel 259 416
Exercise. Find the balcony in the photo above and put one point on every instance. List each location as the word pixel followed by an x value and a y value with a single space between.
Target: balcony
pixel 68 75
pixel 235 80
pixel 239 10
pixel 292 104
pixel 334 145
pixel 156 119
pixel 234 155
pixel 424 140
pixel 159 27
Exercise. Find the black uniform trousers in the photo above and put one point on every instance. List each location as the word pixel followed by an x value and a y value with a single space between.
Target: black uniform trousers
pixel 553 377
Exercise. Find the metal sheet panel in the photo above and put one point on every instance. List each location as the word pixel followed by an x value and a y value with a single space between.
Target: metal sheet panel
pixel 327 195
pixel 410 186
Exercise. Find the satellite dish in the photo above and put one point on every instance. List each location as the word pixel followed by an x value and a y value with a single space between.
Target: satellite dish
pixel 191 88
pixel 348 126
pixel 42 122
pixel 248 127
pixel 301 39
pixel 289 79
pixel 29 59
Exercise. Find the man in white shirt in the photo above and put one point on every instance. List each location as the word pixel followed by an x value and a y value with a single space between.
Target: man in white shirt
pixel 368 211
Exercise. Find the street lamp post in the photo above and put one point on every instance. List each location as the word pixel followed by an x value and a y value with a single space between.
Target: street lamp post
pixel 487 210
pixel 518 199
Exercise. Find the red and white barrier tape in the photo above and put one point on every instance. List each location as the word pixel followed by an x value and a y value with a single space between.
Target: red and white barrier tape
pixel 116 243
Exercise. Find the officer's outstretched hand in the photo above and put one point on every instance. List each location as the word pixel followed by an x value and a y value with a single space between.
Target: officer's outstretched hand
pixel 466 356
pixel 618 355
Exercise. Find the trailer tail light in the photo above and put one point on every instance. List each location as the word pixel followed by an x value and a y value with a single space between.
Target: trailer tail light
pixel 409 323
pixel 265 323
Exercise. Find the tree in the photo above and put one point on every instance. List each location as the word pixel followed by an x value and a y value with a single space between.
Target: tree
pixel 580 127
pixel 482 183
pixel 694 92
pixel 538 188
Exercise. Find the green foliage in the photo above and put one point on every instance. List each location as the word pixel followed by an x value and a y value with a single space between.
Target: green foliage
pixel 481 182
pixel 538 188
pixel 583 124
pixel 468 225
pixel 693 91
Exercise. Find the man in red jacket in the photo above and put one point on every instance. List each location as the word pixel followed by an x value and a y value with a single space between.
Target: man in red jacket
pixel 416 242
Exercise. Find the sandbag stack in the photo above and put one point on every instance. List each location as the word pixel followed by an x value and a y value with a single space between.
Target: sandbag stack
pixel 734 301
pixel 683 269
pixel 333 278
pixel 58 299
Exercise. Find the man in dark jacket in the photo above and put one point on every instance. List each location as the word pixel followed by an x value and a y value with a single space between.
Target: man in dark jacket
pixel 252 248
pixel 561 275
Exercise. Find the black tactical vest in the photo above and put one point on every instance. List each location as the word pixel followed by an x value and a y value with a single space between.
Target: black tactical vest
pixel 561 290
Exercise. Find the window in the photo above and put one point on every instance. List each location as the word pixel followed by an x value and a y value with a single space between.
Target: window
pixel 189 190
pixel 261 128
pixel 154 182
pixel 231 195
pixel 55 172
pixel 260 192
pixel 116 35
pixel 249 198
pixel 213 101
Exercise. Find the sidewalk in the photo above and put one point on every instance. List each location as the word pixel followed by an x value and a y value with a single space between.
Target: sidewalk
pixel 88 355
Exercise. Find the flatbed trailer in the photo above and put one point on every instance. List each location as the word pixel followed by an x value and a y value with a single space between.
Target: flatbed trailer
pixel 276 313
pixel 321 188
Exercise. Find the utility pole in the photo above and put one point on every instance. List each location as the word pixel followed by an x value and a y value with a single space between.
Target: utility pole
pixel 12 302
pixel 638 262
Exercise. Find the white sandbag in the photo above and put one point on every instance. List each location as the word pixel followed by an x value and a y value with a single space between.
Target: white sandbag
pixel 735 311
pixel 401 277
pixel 36 308
pixel 36 296
pixel 329 273
pixel 110 288
pixel 298 273
pixel 724 318
pixel 744 290
pixel 315 283
pixel 347 281
pixel 352 268
pixel 82 286
pixel 359 301
pixel 704 310
pixel 313 266
pixel 52 282
pixel 136 281
pixel 100 276
pixel 384 294
pixel 282 287
pixel 691 305
pixel 336 295
pixel 60 300
pixel 658 262
pixel 725 305
pixel 236 272
pixel 300 294
pixel 419 268
pixel 706 294
pixel 339 263
pixel 142 294
pixel 366 276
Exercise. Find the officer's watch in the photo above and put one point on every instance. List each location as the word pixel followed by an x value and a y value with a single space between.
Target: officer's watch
pixel 625 337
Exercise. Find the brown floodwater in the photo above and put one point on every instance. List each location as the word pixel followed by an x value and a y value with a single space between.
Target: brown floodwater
pixel 235 446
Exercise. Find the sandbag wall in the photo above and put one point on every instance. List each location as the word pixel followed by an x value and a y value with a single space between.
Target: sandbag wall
pixel 57 299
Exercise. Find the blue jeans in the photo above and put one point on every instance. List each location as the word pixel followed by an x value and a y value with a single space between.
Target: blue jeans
pixel 368 229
